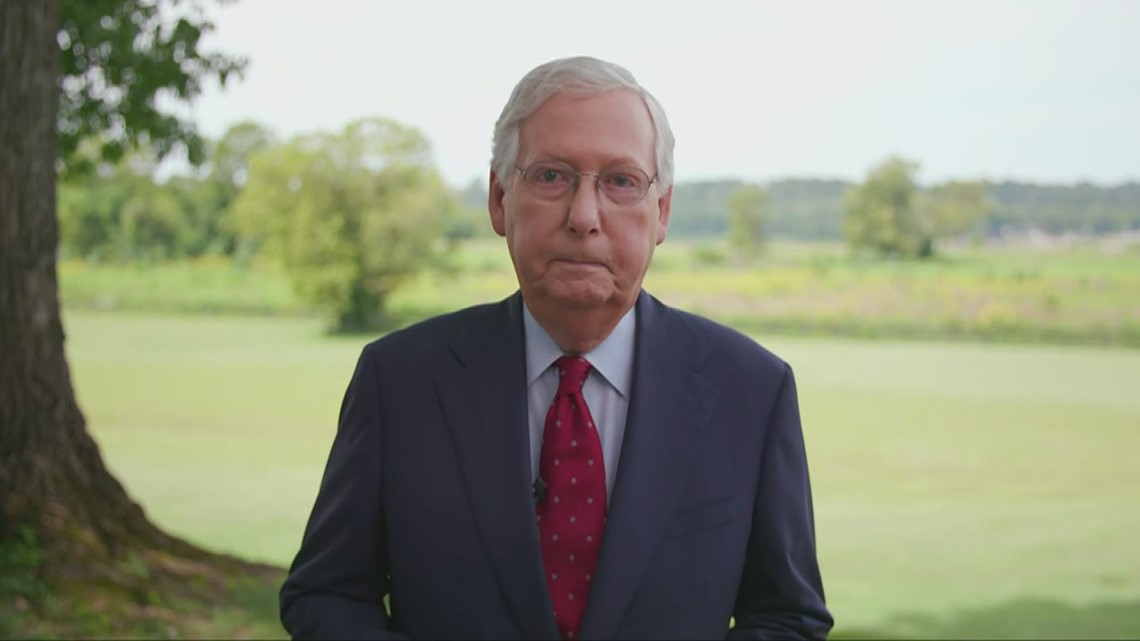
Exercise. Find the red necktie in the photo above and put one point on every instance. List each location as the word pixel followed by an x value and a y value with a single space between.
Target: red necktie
pixel 572 514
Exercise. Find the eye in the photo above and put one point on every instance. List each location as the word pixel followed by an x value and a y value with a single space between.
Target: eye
pixel 624 180
pixel 549 176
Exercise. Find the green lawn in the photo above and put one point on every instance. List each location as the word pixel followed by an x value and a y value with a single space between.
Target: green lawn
pixel 961 490
pixel 1083 295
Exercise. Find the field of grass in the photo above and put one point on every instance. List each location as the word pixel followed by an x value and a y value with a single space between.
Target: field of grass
pixel 1073 296
pixel 962 490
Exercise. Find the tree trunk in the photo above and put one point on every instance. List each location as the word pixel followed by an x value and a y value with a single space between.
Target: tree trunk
pixel 365 311
pixel 53 483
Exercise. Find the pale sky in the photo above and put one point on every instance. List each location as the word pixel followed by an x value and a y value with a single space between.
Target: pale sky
pixel 1036 90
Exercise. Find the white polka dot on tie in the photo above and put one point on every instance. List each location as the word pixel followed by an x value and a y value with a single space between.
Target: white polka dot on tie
pixel 553 576
pixel 591 461
pixel 571 557
pixel 572 519
pixel 553 537
pixel 539 517
pixel 574 481
pixel 556 462
pixel 573 443
pixel 570 596
pixel 557 423
pixel 589 500
pixel 556 499
pixel 569 634
pixel 588 577
pixel 589 539
pixel 589 423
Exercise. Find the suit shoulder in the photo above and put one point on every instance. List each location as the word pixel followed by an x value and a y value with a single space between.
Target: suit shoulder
pixel 731 346
pixel 428 333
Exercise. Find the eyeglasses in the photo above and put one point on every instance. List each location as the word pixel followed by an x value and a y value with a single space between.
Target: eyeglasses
pixel 553 181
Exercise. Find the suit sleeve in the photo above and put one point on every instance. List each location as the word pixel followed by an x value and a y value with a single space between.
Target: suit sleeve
pixel 781 593
pixel 338 580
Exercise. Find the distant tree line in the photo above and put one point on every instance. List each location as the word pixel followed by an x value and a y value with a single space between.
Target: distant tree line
pixel 811 209
pixel 352 214
pixel 1057 209
pixel 814 209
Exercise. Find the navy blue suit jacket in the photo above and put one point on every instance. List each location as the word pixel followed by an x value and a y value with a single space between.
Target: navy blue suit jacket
pixel 427 495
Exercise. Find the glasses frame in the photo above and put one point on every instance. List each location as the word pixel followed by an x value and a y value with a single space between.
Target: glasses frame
pixel 578 181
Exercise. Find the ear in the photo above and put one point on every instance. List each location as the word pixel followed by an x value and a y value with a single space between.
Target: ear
pixel 495 195
pixel 664 209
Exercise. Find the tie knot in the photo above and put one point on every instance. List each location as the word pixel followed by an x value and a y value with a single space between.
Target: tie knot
pixel 572 372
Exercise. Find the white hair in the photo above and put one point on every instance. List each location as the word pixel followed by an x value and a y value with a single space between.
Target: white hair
pixel 577 76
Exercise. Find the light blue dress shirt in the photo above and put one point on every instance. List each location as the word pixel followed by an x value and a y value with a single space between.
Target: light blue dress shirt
pixel 606 389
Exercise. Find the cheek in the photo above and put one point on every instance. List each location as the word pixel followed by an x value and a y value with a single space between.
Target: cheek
pixel 648 231
pixel 533 227
pixel 638 241
pixel 525 240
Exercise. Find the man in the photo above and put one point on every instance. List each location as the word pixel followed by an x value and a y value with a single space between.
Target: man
pixel 578 460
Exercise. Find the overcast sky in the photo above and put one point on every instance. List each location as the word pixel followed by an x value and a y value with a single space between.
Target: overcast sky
pixel 1038 90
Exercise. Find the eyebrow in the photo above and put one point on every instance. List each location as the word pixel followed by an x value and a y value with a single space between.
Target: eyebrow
pixel 620 163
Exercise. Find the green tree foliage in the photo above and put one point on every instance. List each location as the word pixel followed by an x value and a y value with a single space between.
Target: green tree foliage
pixel 205 229
pixel 124 64
pixel 121 214
pixel 700 208
pixel 1056 209
pixel 806 209
pixel 747 220
pixel 228 163
pixel 954 208
pixel 800 208
pixel 881 213
pixel 119 60
pixel 813 209
pixel 471 220
pixel 229 157
pixel 890 214
pixel 350 215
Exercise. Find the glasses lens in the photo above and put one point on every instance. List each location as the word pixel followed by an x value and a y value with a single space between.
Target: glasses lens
pixel 550 181
pixel 555 180
pixel 624 185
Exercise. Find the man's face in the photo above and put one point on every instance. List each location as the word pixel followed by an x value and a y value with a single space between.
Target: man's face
pixel 583 251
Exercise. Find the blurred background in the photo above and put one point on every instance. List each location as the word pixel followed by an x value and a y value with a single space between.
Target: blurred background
pixel 930 209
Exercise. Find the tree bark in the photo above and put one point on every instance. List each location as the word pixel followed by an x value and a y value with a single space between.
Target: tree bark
pixel 53 483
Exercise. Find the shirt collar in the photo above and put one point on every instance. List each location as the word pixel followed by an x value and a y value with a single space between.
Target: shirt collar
pixel 612 358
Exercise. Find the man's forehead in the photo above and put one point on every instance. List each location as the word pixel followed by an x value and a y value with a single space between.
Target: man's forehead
pixel 617 103
pixel 616 124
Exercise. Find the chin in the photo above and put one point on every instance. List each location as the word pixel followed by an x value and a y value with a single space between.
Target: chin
pixel 579 296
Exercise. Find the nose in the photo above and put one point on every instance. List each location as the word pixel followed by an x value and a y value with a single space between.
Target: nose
pixel 584 215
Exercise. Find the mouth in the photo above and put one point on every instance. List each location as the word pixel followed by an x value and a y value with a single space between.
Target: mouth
pixel 573 262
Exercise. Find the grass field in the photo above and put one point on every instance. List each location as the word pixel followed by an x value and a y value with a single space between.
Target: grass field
pixel 962 490
pixel 1083 295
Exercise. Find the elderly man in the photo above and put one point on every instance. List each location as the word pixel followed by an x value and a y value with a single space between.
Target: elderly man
pixel 578 460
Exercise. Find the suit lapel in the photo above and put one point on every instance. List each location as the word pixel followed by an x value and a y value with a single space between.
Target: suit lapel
pixel 484 401
pixel 670 404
